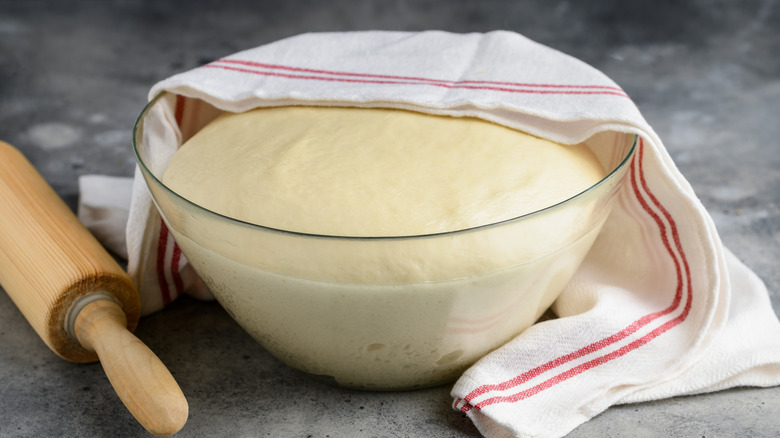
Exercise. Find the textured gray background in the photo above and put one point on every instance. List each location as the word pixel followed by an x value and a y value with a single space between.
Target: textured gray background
pixel 74 75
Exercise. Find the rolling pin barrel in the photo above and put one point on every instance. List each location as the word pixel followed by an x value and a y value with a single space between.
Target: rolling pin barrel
pixel 76 296
pixel 48 259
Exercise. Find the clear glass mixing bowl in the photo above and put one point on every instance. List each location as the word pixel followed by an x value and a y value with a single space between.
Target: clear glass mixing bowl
pixel 382 313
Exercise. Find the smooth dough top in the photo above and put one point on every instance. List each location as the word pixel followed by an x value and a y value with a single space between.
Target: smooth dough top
pixel 373 172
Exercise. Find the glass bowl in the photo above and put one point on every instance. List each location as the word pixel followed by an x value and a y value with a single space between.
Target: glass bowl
pixel 381 313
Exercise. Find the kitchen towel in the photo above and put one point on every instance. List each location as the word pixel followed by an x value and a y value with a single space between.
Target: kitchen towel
pixel 659 307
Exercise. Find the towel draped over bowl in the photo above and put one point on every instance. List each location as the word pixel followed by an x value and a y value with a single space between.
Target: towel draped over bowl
pixel 659 307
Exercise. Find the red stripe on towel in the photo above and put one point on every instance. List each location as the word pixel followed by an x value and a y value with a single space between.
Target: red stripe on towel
pixel 179 109
pixel 172 266
pixel 162 241
pixel 412 78
pixel 175 272
pixel 399 81
pixel 162 245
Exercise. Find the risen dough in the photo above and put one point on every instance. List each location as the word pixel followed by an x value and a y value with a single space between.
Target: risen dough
pixel 381 313
pixel 373 172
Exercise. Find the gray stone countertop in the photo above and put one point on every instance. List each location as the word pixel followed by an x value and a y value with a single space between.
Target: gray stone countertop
pixel 74 75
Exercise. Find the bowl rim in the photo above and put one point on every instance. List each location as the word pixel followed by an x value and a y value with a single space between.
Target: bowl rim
pixel 139 122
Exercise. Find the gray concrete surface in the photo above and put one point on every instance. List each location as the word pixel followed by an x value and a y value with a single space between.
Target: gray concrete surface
pixel 74 75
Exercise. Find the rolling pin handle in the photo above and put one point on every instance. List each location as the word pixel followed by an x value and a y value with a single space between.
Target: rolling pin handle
pixel 140 379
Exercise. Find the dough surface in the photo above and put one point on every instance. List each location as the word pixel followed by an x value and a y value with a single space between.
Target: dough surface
pixel 373 172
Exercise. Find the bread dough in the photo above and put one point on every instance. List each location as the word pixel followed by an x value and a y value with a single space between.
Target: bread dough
pixel 389 313
pixel 373 172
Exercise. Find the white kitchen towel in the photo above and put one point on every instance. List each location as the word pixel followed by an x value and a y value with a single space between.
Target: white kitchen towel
pixel 659 307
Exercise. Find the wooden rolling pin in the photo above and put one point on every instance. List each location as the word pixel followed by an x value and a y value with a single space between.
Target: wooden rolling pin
pixel 76 297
